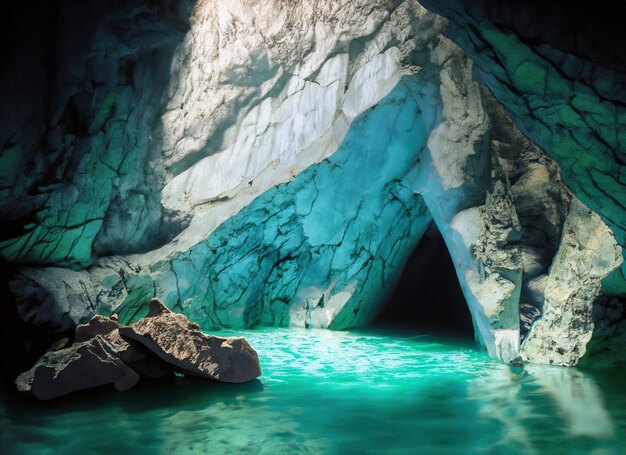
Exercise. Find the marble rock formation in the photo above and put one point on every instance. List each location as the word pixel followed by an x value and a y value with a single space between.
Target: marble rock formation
pixel 275 163
pixel 103 352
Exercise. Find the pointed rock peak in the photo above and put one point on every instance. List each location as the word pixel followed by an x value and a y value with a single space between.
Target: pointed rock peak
pixel 157 307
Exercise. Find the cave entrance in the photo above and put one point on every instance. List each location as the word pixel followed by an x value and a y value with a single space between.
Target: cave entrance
pixel 428 297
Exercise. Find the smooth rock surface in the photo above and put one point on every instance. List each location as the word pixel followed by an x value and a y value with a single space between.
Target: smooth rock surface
pixel 181 343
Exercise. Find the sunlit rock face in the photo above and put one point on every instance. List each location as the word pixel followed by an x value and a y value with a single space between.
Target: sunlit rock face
pixel 307 252
pixel 256 163
pixel 246 112
pixel 321 248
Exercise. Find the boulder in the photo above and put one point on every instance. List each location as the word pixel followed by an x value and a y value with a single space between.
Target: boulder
pixel 97 326
pixel 99 356
pixel 83 365
pixel 179 342
pixel 133 354
pixel 152 347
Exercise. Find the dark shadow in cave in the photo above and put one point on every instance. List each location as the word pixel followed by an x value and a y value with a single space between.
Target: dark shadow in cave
pixel 428 297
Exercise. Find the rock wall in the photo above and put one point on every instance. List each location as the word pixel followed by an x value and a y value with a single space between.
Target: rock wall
pixel 80 119
pixel 276 163
pixel 559 71
pixel 588 253
pixel 332 250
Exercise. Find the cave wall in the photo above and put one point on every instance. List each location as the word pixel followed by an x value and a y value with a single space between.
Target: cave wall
pixel 275 164
pixel 80 124
pixel 558 69
pixel 569 102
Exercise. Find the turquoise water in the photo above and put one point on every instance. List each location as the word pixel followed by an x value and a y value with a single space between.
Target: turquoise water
pixel 325 392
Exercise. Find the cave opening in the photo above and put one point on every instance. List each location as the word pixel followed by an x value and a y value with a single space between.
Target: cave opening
pixel 427 297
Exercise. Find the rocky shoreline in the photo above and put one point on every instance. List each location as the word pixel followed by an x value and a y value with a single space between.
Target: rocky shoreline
pixel 159 345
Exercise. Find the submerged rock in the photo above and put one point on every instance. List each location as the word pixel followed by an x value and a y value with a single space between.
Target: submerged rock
pixel 180 342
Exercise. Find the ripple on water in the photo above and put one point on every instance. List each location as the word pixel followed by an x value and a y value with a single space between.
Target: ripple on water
pixel 339 392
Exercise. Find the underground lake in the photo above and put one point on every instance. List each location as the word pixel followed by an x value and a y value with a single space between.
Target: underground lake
pixel 354 392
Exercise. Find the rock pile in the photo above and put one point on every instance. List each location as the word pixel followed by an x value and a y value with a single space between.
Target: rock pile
pixel 104 352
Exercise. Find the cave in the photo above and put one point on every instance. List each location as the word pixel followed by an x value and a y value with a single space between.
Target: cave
pixel 428 298
pixel 239 198
pixel 351 226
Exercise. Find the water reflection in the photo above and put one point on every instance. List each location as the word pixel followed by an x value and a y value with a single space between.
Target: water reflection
pixel 540 406
pixel 577 398
pixel 499 392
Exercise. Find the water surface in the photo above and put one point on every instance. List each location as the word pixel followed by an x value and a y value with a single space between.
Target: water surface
pixel 323 392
